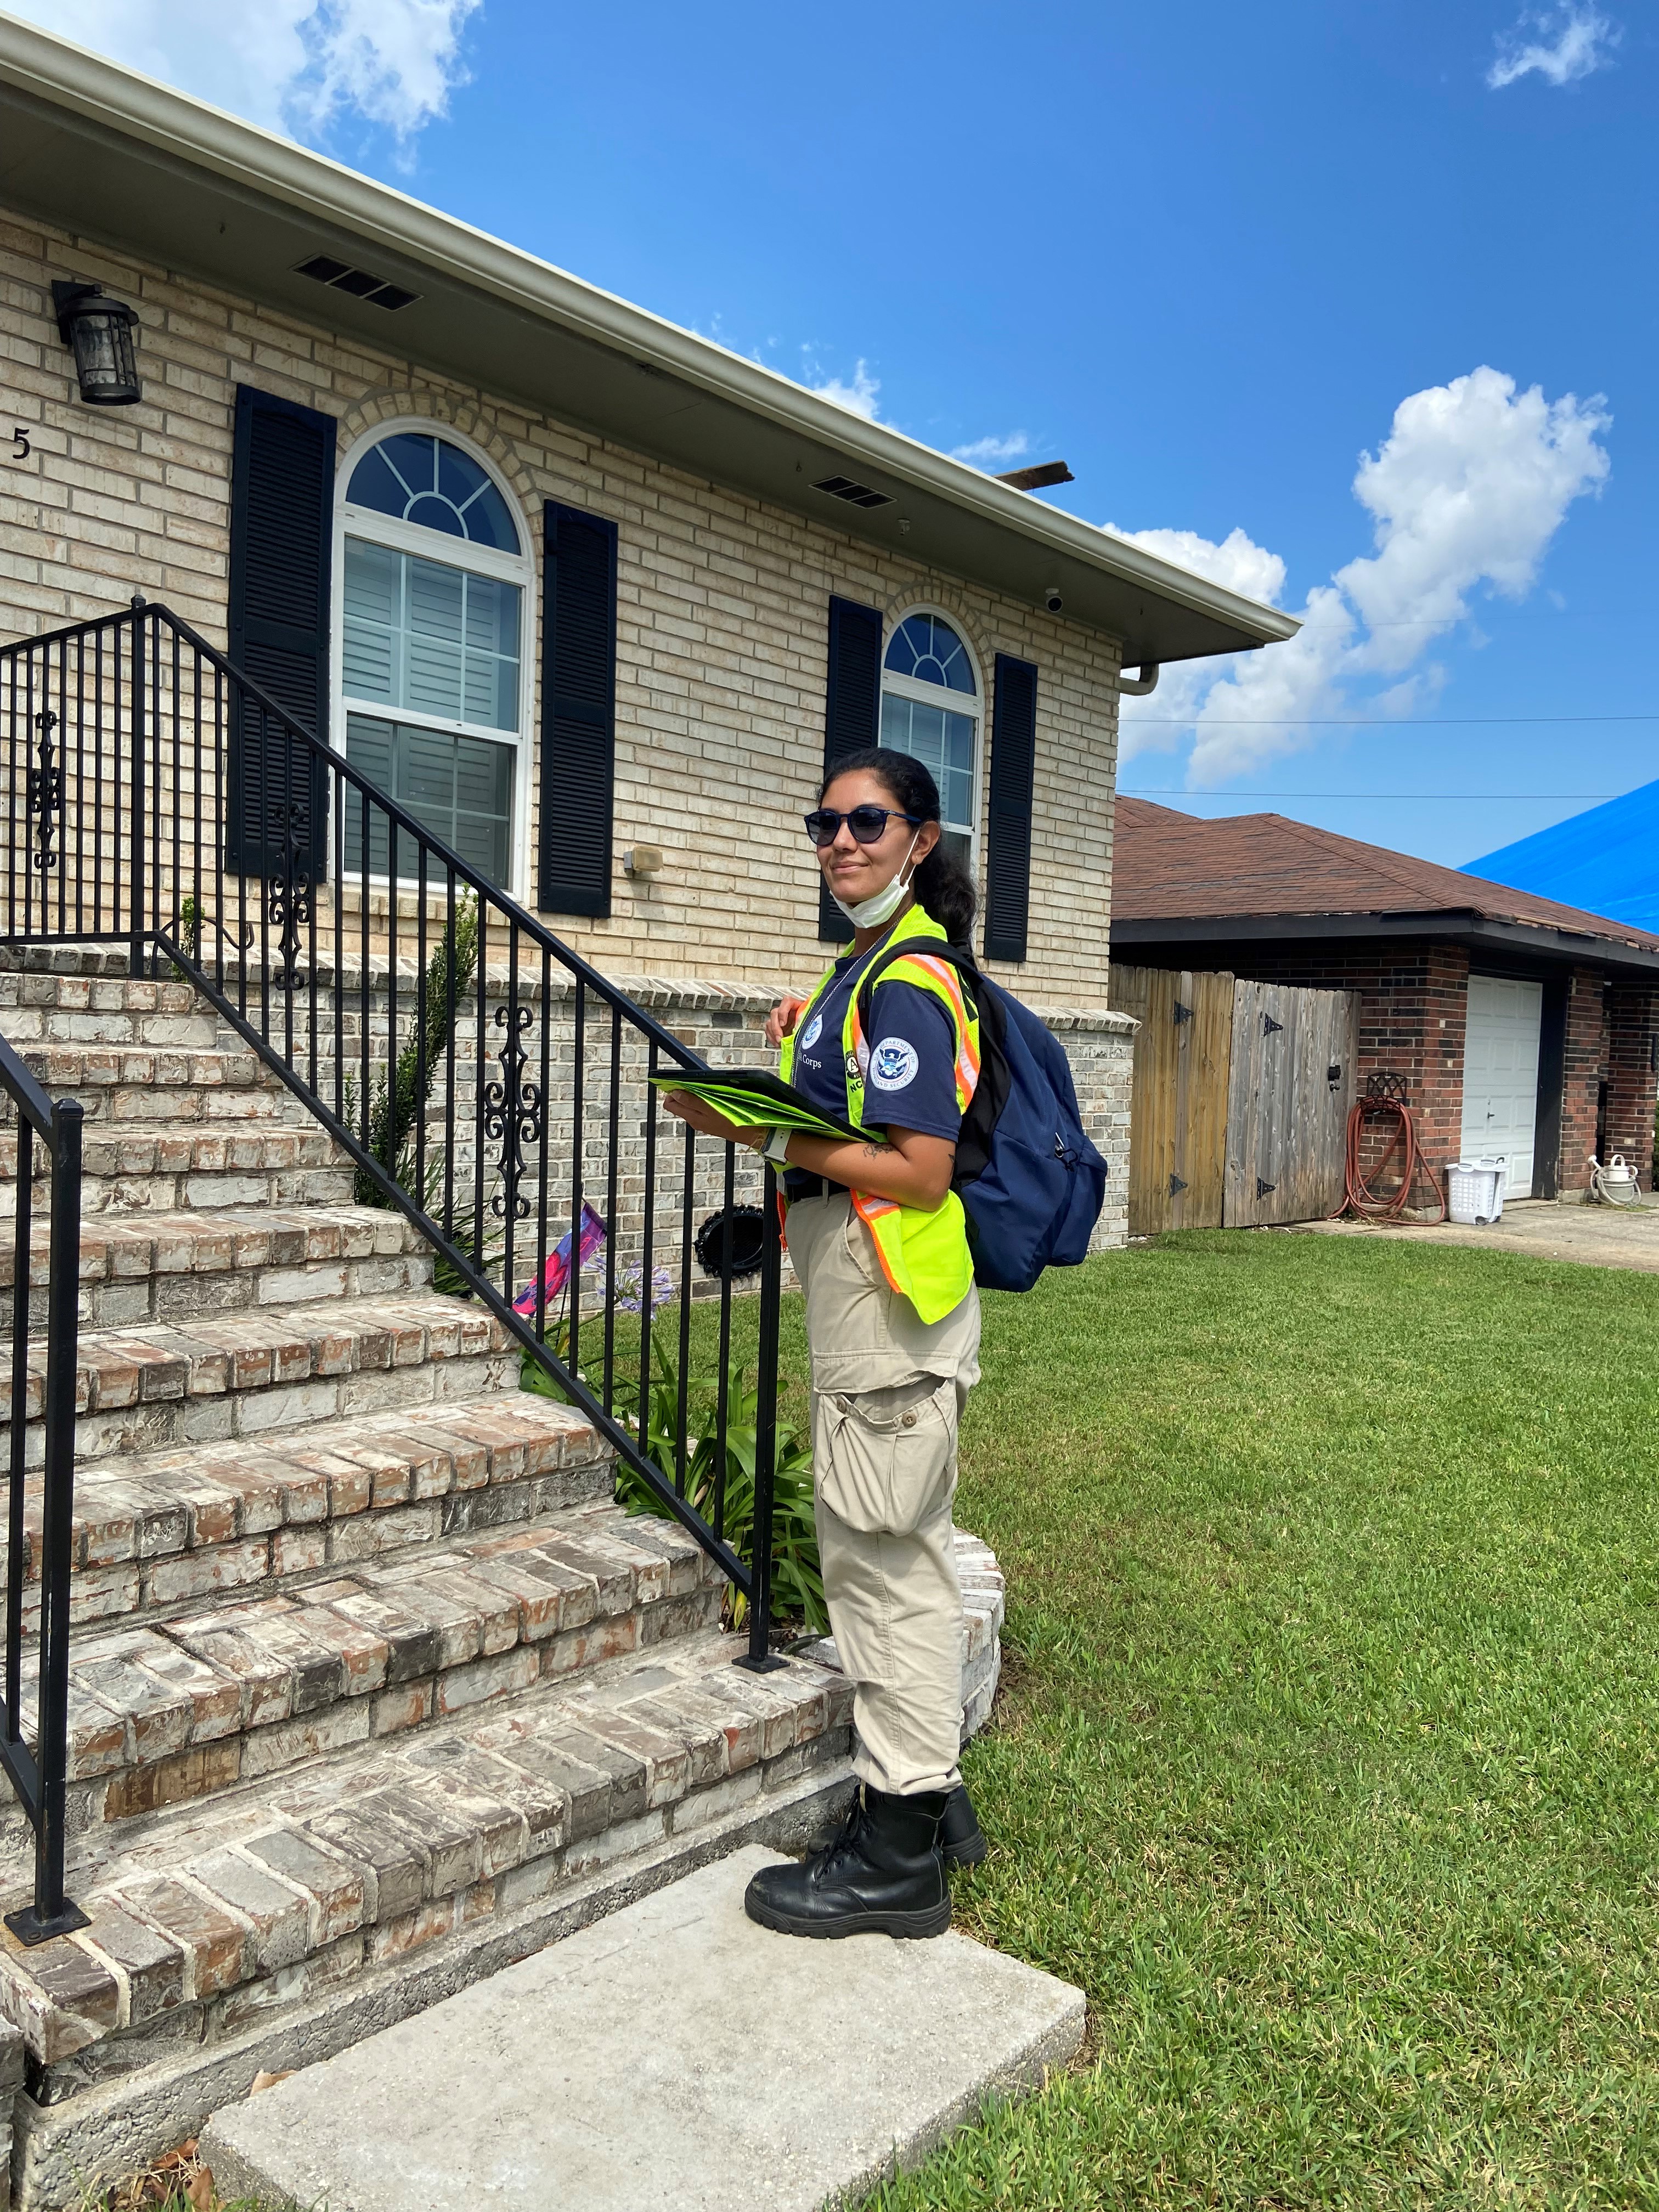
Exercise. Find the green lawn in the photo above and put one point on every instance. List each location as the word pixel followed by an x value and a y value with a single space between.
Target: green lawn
pixel 1325 1762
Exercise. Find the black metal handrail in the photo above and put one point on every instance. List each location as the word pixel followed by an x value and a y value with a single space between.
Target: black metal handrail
pixel 38 1774
pixel 159 797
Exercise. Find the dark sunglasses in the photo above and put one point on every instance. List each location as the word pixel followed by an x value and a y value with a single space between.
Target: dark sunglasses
pixel 867 823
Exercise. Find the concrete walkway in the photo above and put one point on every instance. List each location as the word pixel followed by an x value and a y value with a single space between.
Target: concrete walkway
pixel 1594 1236
pixel 672 2059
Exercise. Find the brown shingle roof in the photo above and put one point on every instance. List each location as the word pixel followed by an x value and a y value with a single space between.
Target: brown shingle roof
pixel 1168 867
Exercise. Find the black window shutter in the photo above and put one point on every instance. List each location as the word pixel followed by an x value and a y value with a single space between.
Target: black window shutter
pixel 852 717
pixel 578 711
pixel 282 536
pixel 1008 840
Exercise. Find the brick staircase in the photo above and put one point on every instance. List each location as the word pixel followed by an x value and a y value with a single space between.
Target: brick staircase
pixel 374 1688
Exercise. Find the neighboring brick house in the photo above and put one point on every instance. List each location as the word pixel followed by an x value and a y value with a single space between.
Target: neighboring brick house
pixel 726 561
pixel 1520 1026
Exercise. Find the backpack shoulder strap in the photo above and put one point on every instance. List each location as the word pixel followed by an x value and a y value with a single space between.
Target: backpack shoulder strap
pixel 924 948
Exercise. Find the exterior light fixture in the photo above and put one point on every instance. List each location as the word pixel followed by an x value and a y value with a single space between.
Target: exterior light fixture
pixel 99 332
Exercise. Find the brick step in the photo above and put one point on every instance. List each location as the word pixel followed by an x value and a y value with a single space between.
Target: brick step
pixel 188 1706
pixel 119 1085
pixel 154 1531
pixel 136 1268
pixel 108 964
pixel 138 1168
pixel 104 1010
pixel 387 1856
pixel 277 1368
pixel 25 956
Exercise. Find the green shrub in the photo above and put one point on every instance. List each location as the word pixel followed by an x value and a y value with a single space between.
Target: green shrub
pixel 395 1103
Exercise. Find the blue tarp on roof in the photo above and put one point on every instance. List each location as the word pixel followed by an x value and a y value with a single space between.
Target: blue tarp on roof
pixel 1605 860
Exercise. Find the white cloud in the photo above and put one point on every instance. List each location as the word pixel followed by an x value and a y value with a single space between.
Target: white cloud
pixel 1237 561
pixel 1559 44
pixel 292 66
pixel 993 452
pixel 1469 489
pixel 1158 723
pixel 858 398
pixel 1466 493
pixel 392 61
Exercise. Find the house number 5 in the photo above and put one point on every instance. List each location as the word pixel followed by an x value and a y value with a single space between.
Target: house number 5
pixel 20 445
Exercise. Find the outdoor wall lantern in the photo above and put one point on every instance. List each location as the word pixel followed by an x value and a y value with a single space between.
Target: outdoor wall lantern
pixel 99 332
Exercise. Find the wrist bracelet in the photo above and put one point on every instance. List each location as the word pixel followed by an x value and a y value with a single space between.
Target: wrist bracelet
pixel 776 1147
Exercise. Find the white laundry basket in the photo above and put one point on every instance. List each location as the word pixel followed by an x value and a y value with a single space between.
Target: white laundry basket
pixel 1474 1191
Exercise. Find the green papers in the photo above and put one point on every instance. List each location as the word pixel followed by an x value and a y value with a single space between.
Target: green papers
pixel 755 1098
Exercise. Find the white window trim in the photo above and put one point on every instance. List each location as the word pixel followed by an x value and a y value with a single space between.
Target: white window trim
pixel 367 523
pixel 972 704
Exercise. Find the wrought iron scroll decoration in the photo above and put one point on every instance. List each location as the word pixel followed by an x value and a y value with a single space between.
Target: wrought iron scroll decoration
pixel 512 1115
pixel 289 903
pixel 45 791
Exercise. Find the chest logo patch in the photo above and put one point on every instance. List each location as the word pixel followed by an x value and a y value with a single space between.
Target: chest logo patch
pixel 893 1064
pixel 812 1033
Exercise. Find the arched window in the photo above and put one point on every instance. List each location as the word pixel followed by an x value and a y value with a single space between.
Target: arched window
pixel 930 707
pixel 435 603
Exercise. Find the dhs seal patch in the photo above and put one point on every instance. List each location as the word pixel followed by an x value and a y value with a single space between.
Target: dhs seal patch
pixel 893 1064
pixel 812 1032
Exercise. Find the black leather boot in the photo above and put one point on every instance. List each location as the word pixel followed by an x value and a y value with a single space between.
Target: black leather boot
pixel 961 1839
pixel 880 1874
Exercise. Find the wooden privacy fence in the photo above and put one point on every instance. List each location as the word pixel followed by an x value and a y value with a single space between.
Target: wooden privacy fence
pixel 1240 1098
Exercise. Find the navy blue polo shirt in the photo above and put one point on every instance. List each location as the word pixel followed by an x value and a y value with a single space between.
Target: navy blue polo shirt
pixel 910 1083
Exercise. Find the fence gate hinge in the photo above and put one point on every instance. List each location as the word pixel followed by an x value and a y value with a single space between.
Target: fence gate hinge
pixel 1268 1026
pixel 1176 1186
pixel 1182 1013
pixel 1263 1189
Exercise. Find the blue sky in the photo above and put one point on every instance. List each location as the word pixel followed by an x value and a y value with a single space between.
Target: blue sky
pixel 1211 257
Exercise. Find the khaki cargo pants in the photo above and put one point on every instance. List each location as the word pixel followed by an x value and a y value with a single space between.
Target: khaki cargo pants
pixel 887 1393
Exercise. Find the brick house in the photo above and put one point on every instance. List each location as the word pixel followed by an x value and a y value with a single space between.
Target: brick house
pixel 1523 1026
pixel 362 421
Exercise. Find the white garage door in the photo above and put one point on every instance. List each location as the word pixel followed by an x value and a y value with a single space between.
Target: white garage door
pixel 1500 1075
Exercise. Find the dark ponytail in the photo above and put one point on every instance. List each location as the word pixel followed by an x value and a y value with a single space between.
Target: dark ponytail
pixel 943 887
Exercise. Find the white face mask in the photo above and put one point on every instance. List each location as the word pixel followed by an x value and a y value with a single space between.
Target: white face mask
pixel 880 906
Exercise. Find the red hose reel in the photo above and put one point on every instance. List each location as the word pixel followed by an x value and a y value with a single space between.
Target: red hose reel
pixel 1383 1109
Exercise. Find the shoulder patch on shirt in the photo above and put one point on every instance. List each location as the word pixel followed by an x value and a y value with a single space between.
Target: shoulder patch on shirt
pixel 893 1064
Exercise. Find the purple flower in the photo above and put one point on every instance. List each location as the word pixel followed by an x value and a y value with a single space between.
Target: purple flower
pixel 630 1286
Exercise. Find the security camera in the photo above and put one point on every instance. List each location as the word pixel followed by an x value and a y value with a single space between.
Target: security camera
pixel 1052 600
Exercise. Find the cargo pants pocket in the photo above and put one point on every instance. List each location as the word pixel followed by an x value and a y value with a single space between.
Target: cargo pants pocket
pixel 882 1456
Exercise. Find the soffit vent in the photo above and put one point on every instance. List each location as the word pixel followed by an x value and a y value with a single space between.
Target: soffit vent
pixel 855 494
pixel 362 286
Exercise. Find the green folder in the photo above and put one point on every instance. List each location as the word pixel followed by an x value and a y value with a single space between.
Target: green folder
pixel 755 1098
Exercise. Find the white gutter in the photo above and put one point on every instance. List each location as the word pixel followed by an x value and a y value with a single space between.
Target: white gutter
pixel 131 105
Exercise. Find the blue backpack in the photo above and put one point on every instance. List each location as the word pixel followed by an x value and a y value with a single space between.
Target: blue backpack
pixel 1030 1182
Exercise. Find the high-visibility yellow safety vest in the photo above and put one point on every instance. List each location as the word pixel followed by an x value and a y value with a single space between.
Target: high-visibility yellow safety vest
pixel 924 1253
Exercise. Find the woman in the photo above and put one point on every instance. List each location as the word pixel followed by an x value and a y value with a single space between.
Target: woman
pixel 879 1240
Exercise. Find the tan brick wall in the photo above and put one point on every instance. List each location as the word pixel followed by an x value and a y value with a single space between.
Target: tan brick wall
pixel 723 612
